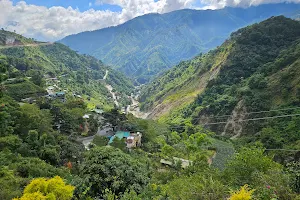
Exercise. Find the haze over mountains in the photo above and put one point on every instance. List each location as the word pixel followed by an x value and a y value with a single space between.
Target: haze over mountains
pixel 147 45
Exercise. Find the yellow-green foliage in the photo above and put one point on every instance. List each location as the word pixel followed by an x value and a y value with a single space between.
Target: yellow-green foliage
pixel 243 194
pixel 43 189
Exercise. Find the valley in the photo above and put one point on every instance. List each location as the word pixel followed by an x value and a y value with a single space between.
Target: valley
pixel 150 44
pixel 135 109
pixel 132 108
pixel 181 105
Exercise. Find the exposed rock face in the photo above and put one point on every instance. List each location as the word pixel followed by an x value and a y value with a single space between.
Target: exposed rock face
pixel 10 40
pixel 234 125
pixel 228 125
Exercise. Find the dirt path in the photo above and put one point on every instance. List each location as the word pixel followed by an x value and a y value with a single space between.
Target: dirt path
pixel 133 108
pixel 106 74
pixel 110 89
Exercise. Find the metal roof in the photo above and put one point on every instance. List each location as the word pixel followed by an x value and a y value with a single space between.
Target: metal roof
pixel 120 135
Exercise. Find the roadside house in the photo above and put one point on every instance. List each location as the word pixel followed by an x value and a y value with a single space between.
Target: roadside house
pixel 132 140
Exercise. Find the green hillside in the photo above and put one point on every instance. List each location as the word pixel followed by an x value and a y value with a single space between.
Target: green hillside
pixel 147 45
pixel 80 74
pixel 47 93
pixel 255 70
pixel 10 38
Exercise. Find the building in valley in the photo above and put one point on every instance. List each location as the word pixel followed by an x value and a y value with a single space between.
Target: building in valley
pixel 131 139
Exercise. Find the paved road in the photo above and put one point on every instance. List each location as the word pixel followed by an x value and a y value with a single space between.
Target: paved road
pixel 87 140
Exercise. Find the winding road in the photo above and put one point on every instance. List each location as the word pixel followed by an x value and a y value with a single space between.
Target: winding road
pixel 26 45
pixel 133 108
pixel 110 89
pixel 106 74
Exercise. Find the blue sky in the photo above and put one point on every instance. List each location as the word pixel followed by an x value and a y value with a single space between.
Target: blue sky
pixel 82 5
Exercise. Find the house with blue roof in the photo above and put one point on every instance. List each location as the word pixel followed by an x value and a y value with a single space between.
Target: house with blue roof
pixel 120 135
pixel 60 94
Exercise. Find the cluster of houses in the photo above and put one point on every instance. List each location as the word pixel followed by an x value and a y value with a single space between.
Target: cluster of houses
pixel 132 139
pixel 55 92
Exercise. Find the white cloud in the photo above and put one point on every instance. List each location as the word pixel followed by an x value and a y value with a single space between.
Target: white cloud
pixel 52 23
pixel 56 22
pixel 90 4
pixel 134 8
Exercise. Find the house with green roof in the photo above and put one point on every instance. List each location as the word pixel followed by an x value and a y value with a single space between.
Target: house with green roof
pixel 120 135
pixel 132 139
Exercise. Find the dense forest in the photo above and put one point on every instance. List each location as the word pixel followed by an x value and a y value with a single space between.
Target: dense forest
pixel 183 155
pixel 39 161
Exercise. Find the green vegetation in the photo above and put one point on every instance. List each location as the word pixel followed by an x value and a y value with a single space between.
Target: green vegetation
pixel 255 70
pixel 41 188
pixel 147 45
pixel 100 141
pixel 109 168
pixel 182 84
pixel 31 147
pixel 24 89
pixel 30 69
pixel 41 158
pixel 10 38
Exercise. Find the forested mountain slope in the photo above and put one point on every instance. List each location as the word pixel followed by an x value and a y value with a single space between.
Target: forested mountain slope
pixel 147 45
pixel 42 157
pixel 255 70
pixel 80 74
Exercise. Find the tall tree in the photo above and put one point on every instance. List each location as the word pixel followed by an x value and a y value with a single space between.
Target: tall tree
pixel 110 168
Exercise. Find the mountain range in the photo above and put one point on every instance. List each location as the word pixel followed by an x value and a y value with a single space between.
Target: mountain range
pixel 229 88
pixel 147 45
pixel 224 124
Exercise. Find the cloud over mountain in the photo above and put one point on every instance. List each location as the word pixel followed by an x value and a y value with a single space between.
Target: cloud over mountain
pixel 56 22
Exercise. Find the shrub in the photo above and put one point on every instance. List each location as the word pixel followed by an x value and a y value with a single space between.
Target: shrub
pixel 42 188
pixel 243 194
